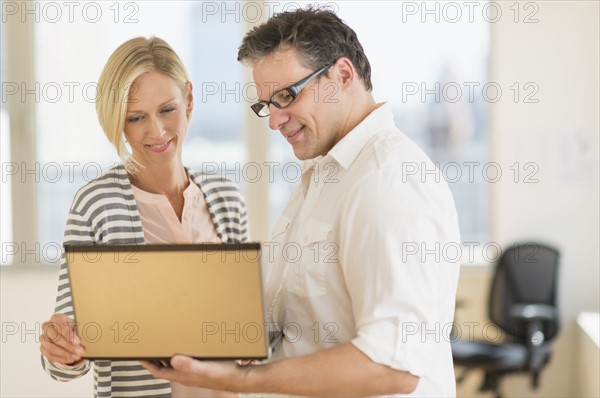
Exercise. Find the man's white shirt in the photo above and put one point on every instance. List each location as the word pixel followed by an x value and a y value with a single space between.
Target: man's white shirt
pixel 363 253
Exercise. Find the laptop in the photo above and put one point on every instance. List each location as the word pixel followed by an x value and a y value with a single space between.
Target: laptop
pixel 153 301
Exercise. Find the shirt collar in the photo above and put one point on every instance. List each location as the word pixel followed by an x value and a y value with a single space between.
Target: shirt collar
pixel 309 163
pixel 189 193
pixel 345 151
pixel 348 148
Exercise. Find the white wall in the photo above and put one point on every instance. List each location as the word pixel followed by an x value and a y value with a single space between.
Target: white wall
pixel 560 54
pixel 560 133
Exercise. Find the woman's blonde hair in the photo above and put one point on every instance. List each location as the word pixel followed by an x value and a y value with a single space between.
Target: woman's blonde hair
pixel 128 62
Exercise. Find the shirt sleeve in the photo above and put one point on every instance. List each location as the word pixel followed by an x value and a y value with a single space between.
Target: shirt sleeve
pixel 244 228
pixel 393 236
pixel 78 231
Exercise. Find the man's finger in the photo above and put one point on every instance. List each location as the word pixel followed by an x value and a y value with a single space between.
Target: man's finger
pixel 148 365
pixel 161 372
pixel 186 364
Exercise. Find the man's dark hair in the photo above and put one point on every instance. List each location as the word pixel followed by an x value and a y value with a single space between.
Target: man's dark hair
pixel 319 36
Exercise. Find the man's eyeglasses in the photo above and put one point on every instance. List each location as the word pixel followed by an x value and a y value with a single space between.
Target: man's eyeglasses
pixel 285 97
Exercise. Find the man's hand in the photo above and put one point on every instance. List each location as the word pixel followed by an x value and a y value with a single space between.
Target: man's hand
pixel 59 343
pixel 215 375
pixel 339 371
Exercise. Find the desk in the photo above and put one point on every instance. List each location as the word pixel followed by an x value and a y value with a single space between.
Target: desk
pixel 588 358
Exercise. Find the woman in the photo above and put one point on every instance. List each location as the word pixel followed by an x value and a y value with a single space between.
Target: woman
pixel 146 100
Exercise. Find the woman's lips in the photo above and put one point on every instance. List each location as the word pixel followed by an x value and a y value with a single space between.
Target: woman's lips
pixel 160 147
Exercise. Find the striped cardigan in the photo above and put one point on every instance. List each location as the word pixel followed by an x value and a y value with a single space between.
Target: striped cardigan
pixel 105 212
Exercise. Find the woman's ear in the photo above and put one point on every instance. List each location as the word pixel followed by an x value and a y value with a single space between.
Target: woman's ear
pixel 190 100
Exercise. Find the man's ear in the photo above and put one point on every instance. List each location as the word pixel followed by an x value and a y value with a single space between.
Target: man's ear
pixel 190 100
pixel 344 71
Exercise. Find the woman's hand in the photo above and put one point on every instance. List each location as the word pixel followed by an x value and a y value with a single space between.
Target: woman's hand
pixel 59 343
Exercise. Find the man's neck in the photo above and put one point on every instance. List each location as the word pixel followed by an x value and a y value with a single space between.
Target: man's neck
pixel 357 112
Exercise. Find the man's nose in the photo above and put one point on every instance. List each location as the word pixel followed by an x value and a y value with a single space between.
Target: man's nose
pixel 277 117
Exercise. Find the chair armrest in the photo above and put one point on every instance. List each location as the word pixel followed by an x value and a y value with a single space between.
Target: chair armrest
pixel 533 312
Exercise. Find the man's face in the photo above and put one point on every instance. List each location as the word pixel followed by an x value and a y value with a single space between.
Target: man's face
pixel 312 123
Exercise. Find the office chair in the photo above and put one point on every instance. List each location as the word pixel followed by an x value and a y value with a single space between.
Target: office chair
pixel 522 304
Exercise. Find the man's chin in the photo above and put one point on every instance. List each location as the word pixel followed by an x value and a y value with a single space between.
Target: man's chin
pixel 301 155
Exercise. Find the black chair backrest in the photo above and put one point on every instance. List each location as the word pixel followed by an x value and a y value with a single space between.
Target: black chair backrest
pixel 526 273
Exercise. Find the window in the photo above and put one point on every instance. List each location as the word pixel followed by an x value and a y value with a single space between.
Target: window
pixel 71 147
pixel 420 68
pixel 431 71
pixel 5 184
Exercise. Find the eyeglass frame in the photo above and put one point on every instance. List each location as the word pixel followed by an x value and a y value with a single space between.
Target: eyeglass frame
pixel 294 90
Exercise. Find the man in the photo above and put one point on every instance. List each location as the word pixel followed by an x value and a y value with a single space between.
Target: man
pixel 362 314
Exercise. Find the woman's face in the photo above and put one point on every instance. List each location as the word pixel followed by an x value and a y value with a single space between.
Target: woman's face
pixel 157 119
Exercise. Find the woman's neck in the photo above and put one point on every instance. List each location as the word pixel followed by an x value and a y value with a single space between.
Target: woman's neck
pixel 170 180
